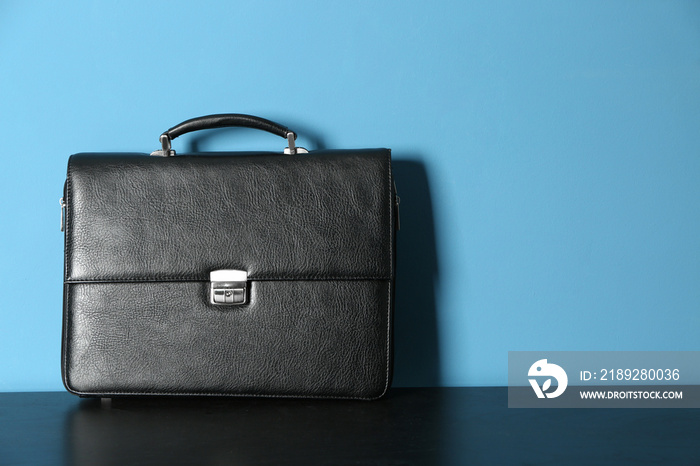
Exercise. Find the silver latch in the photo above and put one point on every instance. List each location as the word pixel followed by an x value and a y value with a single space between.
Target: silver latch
pixel 228 287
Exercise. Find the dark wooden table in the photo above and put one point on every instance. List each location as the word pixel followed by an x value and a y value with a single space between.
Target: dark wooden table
pixel 410 426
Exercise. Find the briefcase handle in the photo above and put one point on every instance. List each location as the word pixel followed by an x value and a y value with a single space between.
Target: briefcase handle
pixel 224 120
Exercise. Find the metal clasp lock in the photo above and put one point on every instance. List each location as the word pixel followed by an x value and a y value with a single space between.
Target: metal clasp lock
pixel 228 287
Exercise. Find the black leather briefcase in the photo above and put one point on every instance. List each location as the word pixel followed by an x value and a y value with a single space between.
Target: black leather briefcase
pixel 248 273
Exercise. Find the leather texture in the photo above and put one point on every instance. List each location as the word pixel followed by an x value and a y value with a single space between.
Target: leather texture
pixel 226 120
pixel 315 232
pixel 293 338
pixel 321 215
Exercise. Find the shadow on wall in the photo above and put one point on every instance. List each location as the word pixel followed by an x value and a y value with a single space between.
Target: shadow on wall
pixel 416 349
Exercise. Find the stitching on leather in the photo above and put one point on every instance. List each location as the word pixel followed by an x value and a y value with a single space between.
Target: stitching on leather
pixel 67 243
pixel 319 278
pixel 255 395
pixel 66 314
pixel 237 395
pixel 392 206
pixel 388 340
pixel 391 216
pixel 66 289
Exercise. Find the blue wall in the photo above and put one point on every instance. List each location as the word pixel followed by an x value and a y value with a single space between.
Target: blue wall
pixel 548 155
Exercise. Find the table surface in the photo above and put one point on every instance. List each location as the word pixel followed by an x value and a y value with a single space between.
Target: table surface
pixel 410 426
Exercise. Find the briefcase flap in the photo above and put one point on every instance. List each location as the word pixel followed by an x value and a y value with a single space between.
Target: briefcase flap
pixel 324 215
